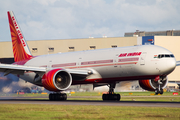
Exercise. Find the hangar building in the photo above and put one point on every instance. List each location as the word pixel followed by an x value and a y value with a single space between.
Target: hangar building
pixel 41 47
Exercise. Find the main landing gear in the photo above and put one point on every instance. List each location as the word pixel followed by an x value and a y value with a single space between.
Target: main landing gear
pixel 111 95
pixel 57 96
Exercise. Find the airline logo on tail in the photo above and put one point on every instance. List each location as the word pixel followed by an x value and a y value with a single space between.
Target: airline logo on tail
pixel 20 48
pixel 18 31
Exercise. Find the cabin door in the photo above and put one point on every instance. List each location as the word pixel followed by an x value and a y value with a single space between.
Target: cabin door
pixel 142 58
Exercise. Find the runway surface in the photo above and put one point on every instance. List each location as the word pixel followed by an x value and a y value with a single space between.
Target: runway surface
pixel 91 102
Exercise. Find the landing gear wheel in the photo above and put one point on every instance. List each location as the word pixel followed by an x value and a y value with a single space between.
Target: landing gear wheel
pixel 57 96
pixel 115 97
pixel 50 97
pixel 64 96
pixel 104 97
pixel 118 97
pixel 111 95
pixel 156 91
pixel 161 91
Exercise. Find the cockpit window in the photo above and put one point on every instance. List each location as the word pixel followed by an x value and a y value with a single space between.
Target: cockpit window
pixel 165 56
pixel 172 55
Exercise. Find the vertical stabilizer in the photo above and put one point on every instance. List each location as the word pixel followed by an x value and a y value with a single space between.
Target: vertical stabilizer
pixel 20 48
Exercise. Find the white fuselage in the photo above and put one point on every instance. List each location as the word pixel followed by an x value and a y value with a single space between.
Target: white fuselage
pixel 110 65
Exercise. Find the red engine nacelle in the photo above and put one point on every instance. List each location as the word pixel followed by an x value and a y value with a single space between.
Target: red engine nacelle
pixel 56 80
pixel 152 84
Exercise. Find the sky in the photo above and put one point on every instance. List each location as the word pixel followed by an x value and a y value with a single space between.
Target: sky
pixel 72 19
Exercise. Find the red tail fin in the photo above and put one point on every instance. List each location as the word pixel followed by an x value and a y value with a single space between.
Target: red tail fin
pixel 20 48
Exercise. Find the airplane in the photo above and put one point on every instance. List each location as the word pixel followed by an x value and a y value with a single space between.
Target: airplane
pixel 149 64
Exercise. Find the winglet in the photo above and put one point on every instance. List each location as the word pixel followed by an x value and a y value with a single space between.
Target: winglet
pixel 20 47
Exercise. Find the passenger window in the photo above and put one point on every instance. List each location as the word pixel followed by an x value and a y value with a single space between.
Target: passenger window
pixel 162 56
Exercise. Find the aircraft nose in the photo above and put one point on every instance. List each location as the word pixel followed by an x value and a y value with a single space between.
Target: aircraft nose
pixel 171 64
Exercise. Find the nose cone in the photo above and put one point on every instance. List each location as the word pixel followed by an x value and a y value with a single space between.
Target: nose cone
pixel 171 65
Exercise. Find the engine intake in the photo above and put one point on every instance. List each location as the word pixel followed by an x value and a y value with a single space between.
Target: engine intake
pixel 152 84
pixel 57 80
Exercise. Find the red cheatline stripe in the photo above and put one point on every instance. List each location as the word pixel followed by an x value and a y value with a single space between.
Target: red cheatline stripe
pixel 96 62
pixel 102 65
pixel 63 65
pixel 128 59
pixel 92 65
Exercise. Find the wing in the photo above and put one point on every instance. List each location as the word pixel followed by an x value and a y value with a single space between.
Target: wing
pixel 20 69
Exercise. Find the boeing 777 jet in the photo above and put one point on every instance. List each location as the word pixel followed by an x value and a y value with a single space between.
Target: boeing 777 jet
pixel 149 64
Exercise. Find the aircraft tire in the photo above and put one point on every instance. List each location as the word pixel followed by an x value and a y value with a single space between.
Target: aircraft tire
pixel 64 96
pixel 157 91
pixel 161 91
pixel 50 97
pixel 118 97
pixel 57 97
pixel 114 97
pixel 104 97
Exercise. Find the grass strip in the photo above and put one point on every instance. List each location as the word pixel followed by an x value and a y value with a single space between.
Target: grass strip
pixel 80 112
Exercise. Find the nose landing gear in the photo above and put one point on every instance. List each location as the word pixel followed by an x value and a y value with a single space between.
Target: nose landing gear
pixel 159 90
pixel 111 95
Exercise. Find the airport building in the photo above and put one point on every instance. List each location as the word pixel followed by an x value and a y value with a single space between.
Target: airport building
pixel 41 47
pixel 153 33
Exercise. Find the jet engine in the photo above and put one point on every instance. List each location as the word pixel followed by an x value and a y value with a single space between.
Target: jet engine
pixel 154 85
pixel 57 80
